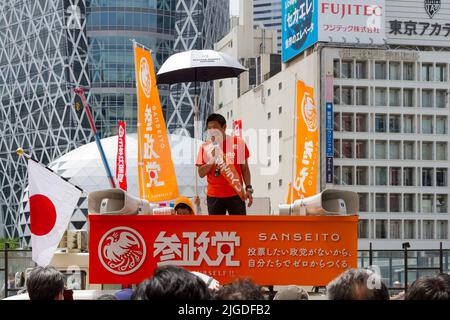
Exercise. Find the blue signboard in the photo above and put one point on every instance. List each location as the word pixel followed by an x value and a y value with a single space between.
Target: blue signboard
pixel 329 122
pixel 299 20
pixel 329 175
pixel 329 116
pixel 329 138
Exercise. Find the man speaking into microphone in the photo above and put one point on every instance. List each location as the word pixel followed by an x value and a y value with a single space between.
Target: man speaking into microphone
pixel 223 159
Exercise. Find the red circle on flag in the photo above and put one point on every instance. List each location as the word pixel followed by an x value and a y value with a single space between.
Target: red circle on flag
pixel 42 214
pixel 225 248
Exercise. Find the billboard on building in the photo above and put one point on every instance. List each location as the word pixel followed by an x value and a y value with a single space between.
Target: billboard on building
pixel 299 27
pixel 418 22
pixel 305 22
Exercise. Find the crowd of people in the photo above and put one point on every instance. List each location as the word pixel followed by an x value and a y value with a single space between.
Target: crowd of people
pixel 175 283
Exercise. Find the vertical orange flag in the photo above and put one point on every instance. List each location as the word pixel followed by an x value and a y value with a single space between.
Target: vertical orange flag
pixel 307 144
pixel 157 179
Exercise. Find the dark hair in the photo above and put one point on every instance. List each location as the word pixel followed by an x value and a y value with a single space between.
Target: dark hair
pixel 171 282
pixel 45 283
pixel 183 206
pixel 240 289
pixel 354 284
pixel 107 297
pixel 218 118
pixel 429 288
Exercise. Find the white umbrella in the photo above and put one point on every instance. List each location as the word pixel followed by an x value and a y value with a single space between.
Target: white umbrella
pixel 198 66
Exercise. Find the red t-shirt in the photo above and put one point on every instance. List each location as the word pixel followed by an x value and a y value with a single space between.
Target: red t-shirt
pixel 219 187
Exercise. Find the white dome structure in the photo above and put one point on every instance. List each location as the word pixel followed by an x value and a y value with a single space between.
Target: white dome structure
pixel 83 167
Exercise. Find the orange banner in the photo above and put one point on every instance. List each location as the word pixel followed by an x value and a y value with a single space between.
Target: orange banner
pixel 307 144
pixel 157 179
pixel 271 250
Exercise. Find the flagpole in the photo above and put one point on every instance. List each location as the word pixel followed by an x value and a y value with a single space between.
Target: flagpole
pixel 20 152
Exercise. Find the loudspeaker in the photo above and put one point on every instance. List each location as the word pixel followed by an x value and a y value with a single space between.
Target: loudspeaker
pixel 117 201
pixel 328 202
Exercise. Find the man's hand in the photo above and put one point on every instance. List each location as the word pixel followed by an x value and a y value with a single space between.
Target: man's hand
pixel 249 197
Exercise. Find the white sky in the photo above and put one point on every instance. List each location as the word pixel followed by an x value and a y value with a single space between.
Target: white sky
pixel 234 7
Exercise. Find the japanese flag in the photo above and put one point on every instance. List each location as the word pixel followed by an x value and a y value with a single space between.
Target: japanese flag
pixel 52 201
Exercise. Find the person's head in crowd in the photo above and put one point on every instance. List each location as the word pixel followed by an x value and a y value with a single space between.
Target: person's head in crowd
pixel 240 289
pixel 429 288
pixel 45 283
pixel 357 284
pixel 291 293
pixel 183 206
pixel 216 126
pixel 107 297
pixel 124 294
pixel 171 282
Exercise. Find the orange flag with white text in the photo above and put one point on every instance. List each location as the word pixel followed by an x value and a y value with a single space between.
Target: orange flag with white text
pixel 157 178
pixel 307 144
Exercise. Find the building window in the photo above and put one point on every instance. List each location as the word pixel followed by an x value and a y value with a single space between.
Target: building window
pixel 269 139
pixel 336 148
pixel 442 229
pixel 408 124
pixel 337 121
pixel 361 96
pixel 441 124
pixel 220 84
pixel 347 149
pixel 408 97
pixel 347 175
pixel 336 95
pixel 279 158
pixel 409 202
pixel 394 97
pixel 441 98
pixel 361 149
pixel 380 123
pixel 408 177
pixel 268 92
pixel 362 176
pixel 380 70
pixel 427 203
pixel 394 123
pixel 363 229
pixel 441 203
pixel 380 150
pixel 347 95
pixel 347 69
pixel 441 72
pixel 396 229
pixel 364 202
pixel 269 186
pixel 280 134
pixel 280 182
pixel 441 150
pixel 380 176
pixel 427 177
pixel 347 122
pixel 427 98
pixel 409 228
pixel 336 68
pixel 337 175
pixel 408 150
pixel 427 72
pixel 280 85
pixel 380 97
pixel 361 69
pixel 381 229
pixel 427 150
pixel 361 122
pixel 394 70
pixel 408 71
pixel 441 177
pixel 427 124
pixel 394 150
pixel 269 115
pixel 394 202
pixel 280 109
pixel 428 229
pixel 395 176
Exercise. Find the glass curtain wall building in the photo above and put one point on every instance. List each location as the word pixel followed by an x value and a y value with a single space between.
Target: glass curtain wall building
pixel 48 47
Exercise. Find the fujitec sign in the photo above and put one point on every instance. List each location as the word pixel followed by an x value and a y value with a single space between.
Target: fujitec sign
pixel 271 250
